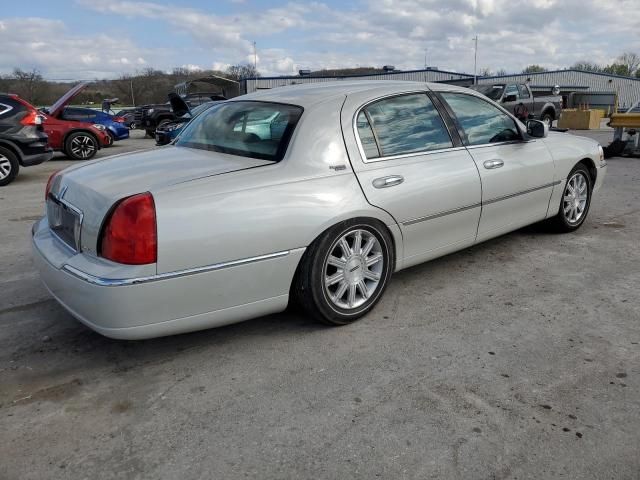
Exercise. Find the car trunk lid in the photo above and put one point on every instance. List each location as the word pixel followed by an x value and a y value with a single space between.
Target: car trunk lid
pixel 93 188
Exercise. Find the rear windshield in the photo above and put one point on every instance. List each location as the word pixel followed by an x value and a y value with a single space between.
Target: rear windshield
pixel 245 128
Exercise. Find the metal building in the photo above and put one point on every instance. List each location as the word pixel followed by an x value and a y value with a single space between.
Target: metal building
pixel 627 88
pixel 587 83
pixel 429 75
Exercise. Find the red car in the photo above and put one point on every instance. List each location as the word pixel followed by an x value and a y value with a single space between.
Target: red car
pixel 78 140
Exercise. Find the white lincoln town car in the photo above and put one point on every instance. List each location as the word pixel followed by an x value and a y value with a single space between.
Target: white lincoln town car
pixel 313 193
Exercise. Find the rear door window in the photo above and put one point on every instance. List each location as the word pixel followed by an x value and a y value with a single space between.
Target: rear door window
pixel 401 125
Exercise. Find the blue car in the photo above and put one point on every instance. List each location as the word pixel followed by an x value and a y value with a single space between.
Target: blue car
pixel 117 130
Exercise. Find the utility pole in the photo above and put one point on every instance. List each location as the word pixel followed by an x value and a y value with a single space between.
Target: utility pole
pixel 133 99
pixel 255 57
pixel 425 58
pixel 475 61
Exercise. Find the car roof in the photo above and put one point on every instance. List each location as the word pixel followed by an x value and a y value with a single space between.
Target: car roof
pixel 309 94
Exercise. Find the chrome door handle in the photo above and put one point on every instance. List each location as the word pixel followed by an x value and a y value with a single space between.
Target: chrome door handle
pixel 390 181
pixel 491 164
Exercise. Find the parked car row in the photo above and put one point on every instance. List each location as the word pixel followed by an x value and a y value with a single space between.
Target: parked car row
pixel 29 136
pixel 150 117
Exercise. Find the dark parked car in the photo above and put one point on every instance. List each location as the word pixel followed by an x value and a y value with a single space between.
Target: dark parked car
pixel 168 131
pixel 149 117
pixel 22 138
pixel 115 125
pixel 128 117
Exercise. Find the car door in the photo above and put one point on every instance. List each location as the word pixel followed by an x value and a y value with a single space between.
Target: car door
pixel 526 98
pixel 409 164
pixel 517 172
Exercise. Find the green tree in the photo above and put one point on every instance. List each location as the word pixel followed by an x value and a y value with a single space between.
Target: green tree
pixel 534 69
pixel 617 69
pixel 586 66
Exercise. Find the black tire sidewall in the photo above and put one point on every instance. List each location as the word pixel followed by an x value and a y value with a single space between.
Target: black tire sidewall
pixel 15 166
pixel 322 306
pixel 564 223
pixel 67 145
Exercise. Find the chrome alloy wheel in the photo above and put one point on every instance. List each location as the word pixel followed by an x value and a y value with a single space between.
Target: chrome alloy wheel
pixel 5 167
pixel 353 269
pixel 576 194
pixel 82 146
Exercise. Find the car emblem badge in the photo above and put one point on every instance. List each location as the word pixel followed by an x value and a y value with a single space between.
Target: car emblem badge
pixel 337 168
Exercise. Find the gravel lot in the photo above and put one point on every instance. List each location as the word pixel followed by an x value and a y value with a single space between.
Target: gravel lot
pixel 518 358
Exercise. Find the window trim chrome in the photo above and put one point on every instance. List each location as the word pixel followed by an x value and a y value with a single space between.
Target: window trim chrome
pixel 7 109
pixel 363 156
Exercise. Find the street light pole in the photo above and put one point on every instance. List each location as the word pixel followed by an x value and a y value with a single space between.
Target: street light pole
pixel 475 61
pixel 255 57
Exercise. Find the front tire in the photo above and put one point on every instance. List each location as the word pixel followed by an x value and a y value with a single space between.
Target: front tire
pixel 575 201
pixel 344 273
pixel 9 166
pixel 81 146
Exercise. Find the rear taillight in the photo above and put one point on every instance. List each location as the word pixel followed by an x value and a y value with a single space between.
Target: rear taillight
pixel 32 118
pixel 49 184
pixel 118 119
pixel 129 233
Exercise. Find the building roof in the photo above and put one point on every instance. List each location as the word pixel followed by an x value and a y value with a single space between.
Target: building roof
pixel 393 72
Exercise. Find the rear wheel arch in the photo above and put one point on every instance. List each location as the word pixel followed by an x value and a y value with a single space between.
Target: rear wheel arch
pixel 310 250
pixel 13 149
pixel 548 110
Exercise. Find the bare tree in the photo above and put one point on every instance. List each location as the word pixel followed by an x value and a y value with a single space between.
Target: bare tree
pixel 630 60
pixel 242 71
pixel 485 72
pixel 28 84
pixel 501 71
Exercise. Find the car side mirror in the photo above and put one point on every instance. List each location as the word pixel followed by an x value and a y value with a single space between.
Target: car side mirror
pixel 510 98
pixel 537 129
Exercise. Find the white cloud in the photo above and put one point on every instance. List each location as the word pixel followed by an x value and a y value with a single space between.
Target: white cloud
pixel 297 35
pixel 64 55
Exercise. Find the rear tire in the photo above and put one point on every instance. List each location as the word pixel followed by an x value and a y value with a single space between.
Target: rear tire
pixel 547 117
pixel 9 166
pixel 81 146
pixel 575 201
pixel 344 272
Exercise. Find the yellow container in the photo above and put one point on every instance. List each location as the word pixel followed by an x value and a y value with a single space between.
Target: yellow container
pixel 580 119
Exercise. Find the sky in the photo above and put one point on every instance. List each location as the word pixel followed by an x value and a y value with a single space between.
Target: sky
pixel 87 39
